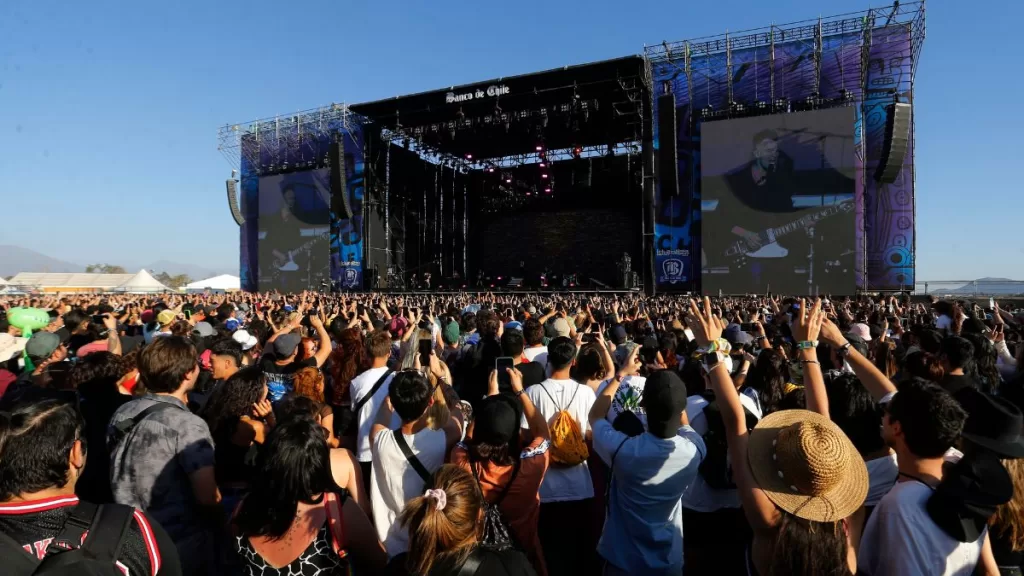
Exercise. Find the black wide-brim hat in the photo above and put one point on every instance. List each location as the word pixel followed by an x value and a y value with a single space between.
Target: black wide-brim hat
pixel 994 423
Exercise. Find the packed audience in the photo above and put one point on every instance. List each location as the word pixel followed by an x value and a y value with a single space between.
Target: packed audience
pixel 519 434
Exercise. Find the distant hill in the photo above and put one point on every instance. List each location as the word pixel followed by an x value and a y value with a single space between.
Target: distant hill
pixel 994 286
pixel 193 271
pixel 14 259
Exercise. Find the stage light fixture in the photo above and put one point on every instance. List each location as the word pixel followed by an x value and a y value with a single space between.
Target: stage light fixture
pixel 543 165
pixel 577 152
pixel 544 176
pixel 547 190
pixel 469 156
pixel 540 148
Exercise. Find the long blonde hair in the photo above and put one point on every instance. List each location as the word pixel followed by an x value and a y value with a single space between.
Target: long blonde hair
pixel 447 536
pixel 1008 520
pixel 438 413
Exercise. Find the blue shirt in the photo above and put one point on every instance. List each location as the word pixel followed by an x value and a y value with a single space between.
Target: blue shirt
pixel 643 531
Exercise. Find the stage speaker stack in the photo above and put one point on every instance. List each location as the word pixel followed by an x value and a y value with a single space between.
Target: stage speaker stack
pixel 233 201
pixel 339 189
pixel 668 160
pixel 894 150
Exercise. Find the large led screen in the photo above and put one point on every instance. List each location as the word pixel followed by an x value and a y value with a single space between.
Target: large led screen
pixel 294 231
pixel 777 204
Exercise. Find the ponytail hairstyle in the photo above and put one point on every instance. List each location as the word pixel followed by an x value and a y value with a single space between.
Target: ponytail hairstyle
pixel 443 524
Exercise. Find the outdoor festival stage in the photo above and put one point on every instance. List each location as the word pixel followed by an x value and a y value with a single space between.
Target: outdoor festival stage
pixel 773 159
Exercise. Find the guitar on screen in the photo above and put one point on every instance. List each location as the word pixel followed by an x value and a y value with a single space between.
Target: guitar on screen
pixel 764 245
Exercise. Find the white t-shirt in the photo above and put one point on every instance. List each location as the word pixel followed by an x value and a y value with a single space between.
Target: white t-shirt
pixel 561 483
pixel 538 354
pixel 360 387
pixel 394 481
pixel 882 473
pixel 631 389
pixel 901 539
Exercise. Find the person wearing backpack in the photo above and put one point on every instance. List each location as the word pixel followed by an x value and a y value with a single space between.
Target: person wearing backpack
pixel 643 532
pixel 404 458
pixel 367 392
pixel 42 522
pixel 567 492
pixel 508 476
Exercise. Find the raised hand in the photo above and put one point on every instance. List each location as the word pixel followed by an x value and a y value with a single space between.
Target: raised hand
pixel 807 324
pixel 706 326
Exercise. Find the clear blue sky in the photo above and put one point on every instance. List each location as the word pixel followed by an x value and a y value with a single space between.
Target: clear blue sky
pixel 109 110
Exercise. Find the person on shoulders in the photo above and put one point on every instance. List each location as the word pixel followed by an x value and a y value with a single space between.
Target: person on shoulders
pixel 42 455
pixel 281 362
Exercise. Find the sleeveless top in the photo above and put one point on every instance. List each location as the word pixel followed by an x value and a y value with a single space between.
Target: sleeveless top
pixel 325 555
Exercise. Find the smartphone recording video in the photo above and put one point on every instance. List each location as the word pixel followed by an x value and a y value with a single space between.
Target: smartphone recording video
pixel 501 365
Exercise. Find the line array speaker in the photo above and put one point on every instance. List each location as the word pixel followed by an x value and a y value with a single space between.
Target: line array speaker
pixel 668 160
pixel 233 201
pixel 894 150
pixel 339 187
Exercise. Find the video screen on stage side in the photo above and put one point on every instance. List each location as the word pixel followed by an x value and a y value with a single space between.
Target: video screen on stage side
pixel 777 204
pixel 294 231
pixel 584 243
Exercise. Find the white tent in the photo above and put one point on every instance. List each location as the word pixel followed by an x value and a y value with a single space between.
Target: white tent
pixel 143 282
pixel 222 283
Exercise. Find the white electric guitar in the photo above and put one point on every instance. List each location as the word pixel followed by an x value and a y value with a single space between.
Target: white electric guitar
pixel 766 244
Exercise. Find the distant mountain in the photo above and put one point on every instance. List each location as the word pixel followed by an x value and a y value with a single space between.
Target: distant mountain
pixel 15 259
pixel 193 271
pixel 990 286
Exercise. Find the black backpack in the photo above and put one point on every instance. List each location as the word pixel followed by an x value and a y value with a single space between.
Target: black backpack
pixel 497 535
pixel 107 525
pixel 715 465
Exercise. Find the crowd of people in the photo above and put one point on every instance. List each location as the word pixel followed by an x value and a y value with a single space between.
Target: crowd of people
pixel 510 434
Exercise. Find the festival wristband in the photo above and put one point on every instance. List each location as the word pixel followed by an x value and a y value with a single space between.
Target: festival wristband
pixel 807 345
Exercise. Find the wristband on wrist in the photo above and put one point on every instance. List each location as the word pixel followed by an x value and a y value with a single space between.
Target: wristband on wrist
pixel 844 350
pixel 807 345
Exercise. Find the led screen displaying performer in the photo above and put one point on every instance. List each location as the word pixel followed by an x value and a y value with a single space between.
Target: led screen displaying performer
pixel 777 203
pixel 294 231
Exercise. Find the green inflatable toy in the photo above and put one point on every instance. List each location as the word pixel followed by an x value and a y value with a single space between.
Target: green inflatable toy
pixel 28 319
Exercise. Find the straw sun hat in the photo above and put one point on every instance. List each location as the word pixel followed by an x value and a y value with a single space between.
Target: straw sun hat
pixel 807 466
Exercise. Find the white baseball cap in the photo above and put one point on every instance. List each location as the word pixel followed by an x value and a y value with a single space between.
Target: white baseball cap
pixel 11 346
pixel 245 339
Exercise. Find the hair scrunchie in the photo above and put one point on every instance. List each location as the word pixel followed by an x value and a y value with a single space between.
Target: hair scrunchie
pixel 439 495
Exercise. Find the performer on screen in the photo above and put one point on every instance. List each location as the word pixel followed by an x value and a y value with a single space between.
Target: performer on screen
pixel 290 251
pixel 757 230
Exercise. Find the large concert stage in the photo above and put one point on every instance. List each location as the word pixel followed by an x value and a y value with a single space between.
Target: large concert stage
pixel 778 159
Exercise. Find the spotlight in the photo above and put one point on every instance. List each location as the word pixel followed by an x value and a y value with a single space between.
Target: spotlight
pixel 540 148
pixel 543 175
pixel 548 190
pixel 491 169
pixel 543 165
pixel 508 180
pixel 577 152
pixel 469 156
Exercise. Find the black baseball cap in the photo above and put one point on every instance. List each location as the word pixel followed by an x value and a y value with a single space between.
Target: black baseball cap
pixel 495 421
pixel 664 400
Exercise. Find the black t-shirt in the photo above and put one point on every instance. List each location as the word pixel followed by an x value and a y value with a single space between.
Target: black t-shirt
pixel 492 563
pixel 533 373
pixel 147 549
pixel 960 387
pixel 279 378
pixel 97 407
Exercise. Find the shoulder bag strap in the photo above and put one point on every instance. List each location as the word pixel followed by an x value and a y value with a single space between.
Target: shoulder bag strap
pixel 126 425
pixel 74 528
pixel 106 537
pixel 472 564
pixel 557 409
pixel 16 558
pixel 376 386
pixel 335 522
pixel 413 460
pixel 504 491
pixel 611 474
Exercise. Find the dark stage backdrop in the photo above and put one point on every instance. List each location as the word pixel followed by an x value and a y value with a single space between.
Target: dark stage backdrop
pixel 294 230
pixel 585 242
pixel 778 204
